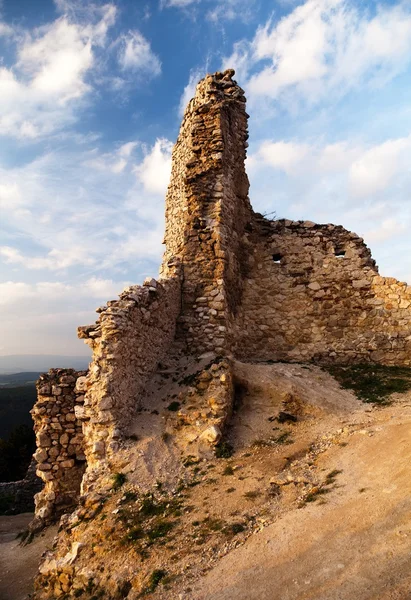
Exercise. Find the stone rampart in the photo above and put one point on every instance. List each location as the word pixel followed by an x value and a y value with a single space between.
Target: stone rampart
pixel 129 339
pixel 60 454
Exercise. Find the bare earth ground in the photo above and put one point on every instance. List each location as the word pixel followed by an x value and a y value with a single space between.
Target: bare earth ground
pixel 357 546
pixel 19 564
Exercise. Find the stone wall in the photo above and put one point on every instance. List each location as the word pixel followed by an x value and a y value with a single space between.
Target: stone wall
pixel 129 339
pixel 207 211
pixel 313 293
pixel 18 496
pixel 60 455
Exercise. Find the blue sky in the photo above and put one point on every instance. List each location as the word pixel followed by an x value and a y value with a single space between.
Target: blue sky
pixel 91 97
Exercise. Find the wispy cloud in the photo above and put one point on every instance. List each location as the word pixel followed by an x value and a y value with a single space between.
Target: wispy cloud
pixel 101 203
pixel 324 47
pixel 135 54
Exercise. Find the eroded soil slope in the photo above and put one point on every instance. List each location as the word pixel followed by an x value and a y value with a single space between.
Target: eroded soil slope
pixel 308 498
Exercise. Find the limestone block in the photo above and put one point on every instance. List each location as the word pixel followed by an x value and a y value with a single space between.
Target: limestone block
pixel 211 435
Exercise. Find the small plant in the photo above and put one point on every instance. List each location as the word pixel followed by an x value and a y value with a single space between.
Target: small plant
pixel 228 470
pixel 284 438
pixel 190 460
pixel 137 533
pixel 174 406
pixel 234 528
pixel 124 589
pixel 119 479
pixel 230 490
pixel 155 578
pixel 224 450
pixel 159 530
pixel 331 477
pixel 252 494
pixel 313 495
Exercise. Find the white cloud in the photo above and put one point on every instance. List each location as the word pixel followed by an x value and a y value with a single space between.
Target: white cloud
pixel 375 169
pixel 367 170
pixel 177 3
pixel 115 161
pixel 43 317
pixel 283 155
pixel 388 229
pixel 135 54
pixel 325 47
pixel 229 10
pixel 154 171
pixel 56 259
pixel 6 30
pixel 83 212
pixel 190 88
pixel 40 93
pixel 57 61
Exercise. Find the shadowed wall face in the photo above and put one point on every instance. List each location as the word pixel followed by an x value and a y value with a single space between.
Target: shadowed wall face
pixel 313 293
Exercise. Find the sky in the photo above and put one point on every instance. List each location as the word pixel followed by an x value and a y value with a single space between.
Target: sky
pixel 91 99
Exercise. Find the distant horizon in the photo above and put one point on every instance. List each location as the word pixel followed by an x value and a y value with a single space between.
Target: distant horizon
pixel 23 363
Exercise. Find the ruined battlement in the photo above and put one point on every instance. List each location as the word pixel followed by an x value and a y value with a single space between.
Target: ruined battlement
pixel 233 284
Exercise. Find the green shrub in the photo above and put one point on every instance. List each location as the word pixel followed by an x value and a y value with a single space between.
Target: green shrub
pixel 224 450
pixel 119 479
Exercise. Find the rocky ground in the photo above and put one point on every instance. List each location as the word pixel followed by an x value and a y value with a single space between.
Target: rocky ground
pixel 309 498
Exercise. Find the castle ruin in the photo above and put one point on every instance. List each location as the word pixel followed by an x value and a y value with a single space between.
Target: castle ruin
pixel 232 284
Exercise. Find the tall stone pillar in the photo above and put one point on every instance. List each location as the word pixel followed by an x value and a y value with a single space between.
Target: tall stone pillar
pixel 208 212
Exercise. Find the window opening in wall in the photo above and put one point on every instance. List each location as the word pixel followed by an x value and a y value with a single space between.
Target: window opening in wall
pixel 339 253
pixel 277 258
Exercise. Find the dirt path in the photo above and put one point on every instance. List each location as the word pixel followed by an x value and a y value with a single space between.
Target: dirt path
pixel 19 564
pixel 356 546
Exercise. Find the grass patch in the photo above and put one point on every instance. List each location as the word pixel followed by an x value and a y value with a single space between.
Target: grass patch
pixel 159 530
pixel 148 521
pixel 372 383
pixel 282 439
pixel 228 470
pixel 154 580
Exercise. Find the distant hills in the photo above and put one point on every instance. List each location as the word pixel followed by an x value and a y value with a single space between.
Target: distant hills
pixel 38 363
pixel 19 379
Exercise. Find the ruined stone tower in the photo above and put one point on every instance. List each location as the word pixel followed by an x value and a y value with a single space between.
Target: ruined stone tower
pixel 233 285
pixel 207 212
